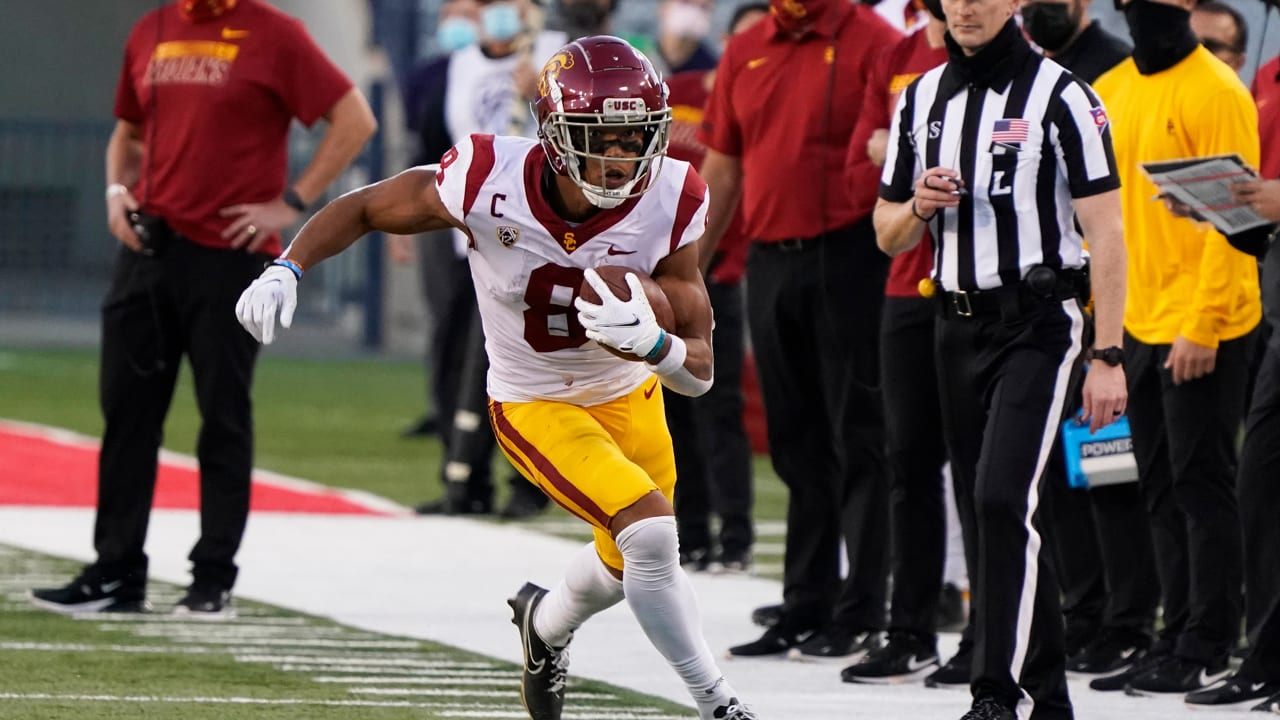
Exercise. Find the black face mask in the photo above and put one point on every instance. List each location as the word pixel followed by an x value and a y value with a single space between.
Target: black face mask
pixel 1161 34
pixel 1052 26
pixel 935 9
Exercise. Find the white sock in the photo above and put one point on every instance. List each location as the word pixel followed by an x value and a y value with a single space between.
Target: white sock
pixel 587 588
pixel 662 600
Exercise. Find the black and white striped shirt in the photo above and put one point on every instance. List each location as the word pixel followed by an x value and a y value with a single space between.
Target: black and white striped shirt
pixel 1026 136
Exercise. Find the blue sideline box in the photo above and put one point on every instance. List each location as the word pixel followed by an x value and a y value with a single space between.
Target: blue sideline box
pixel 1103 458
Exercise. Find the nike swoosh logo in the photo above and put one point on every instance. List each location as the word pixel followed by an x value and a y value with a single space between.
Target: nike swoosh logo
pixel 615 251
pixel 229 34
pixel 634 322
pixel 534 667
pixel 1206 679
pixel 1255 687
pixel 754 63
pixel 648 393
pixel 111 586
pixel 914 665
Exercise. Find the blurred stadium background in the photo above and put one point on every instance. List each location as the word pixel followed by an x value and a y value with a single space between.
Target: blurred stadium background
pixel 55 117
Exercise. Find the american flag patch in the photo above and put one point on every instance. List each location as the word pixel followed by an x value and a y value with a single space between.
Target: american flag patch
pixel 1010 131
pixel 1099 118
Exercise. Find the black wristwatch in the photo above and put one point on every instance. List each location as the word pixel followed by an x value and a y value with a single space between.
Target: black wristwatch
pixel 292 199
pixel 1112 356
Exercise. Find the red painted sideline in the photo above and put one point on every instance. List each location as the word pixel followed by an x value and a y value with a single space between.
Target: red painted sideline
pixel 39 470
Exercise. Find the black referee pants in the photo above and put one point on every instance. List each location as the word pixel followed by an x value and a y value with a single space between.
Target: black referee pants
pixel 916 453
pixel 1004 386
pixel 813 307
pixel 156 311
pixel 1184 439
pixel 1259 491
pixel 713 454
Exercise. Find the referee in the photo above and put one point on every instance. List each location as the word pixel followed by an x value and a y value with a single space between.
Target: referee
pixel 994 151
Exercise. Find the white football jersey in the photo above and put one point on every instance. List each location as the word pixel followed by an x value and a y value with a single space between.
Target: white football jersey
pixel 528 262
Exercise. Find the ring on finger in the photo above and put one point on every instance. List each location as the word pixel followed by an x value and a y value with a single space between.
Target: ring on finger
pixel 253 230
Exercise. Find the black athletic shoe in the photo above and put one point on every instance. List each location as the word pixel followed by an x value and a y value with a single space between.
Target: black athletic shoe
pixel 955 673
pixel 205 602
pixel 90 592
pixel 1112 651
pixel 425 426
pixel 767 615
pixel 445 506
pixel 524 502
pixel 546 669
pixel 1120 680
pixel 837 642
pixel 1235 689
pixel 1178 675
pixel 695 560
pixel 735 710
pixel 904 658
pixel 734 562
pixel 985 708
pixel 774 641
pixel 1271 705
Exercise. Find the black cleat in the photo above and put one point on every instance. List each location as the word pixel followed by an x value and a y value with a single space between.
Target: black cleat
pixel 1119 681
pixel 1113 650
pixel 1177 675
pixel 90 592
pixel 986 708
pixel 546 669
pixel 695 559
pixel 525 501
pixel 1271 705
pixel 956 671
pixel 1235 689
pixel 735 562
pixel 735 710
pixel 839 643
pixel 775 641
pixel 205 602
pixel 901 660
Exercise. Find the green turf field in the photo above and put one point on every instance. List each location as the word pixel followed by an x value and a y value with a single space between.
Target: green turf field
pixel 335 423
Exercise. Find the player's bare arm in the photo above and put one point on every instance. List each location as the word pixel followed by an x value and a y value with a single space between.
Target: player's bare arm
pixel 405 204
pixel 681 279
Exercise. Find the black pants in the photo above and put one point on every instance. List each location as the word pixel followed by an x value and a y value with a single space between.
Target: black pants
pixel 156 311
pixel 814 313
pixel 1258 485
pixel 713 455
pixel 1004 386
pixel 1184 440
pixel 455 345
pixel 916 453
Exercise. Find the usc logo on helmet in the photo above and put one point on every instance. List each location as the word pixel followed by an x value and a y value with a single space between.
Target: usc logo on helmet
pixel 793 8
pixel 551 71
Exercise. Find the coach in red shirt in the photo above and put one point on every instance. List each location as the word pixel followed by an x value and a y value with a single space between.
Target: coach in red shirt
pixel 787 94
pixel 196 197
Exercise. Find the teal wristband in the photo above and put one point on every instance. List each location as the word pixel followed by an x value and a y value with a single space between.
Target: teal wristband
pixel 294 267
pixel 662 341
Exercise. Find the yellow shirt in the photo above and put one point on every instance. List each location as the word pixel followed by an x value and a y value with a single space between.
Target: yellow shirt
pixel 1184 278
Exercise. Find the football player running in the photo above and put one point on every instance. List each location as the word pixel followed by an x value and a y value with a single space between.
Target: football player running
pixel 584 425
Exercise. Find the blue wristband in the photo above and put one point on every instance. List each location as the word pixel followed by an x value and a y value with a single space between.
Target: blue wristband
pixel 294 267
pixel 662 340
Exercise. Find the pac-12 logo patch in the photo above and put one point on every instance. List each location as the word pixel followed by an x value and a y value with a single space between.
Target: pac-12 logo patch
pixel 1100 119
pixel 508 234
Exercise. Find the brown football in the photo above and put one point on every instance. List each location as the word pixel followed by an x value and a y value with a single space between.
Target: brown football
pixel 615 276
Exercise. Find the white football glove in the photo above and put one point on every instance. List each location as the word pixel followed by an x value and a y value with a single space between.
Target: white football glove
pixel 275 289
pixel 625 325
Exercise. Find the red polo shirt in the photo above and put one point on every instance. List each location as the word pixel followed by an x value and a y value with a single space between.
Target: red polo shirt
pixel 787 107
pixel 1266 93
pixel 216 120
pixel 891 73
pixel 688 97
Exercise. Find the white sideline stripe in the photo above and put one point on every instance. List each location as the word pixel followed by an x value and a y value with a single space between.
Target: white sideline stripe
pixel 372 662
pixel 367 500
pixel 493 679
pixel 80 647
pixel 318 643
pixel 495 712
pixel 363 672
pixel 208 630
pixel 162 619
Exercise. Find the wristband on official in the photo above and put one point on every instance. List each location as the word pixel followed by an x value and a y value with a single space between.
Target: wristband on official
pixel 293 200
pixel 662 341
pixel 293 267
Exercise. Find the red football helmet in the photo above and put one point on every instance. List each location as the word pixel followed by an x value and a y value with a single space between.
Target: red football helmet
pixel 597 88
